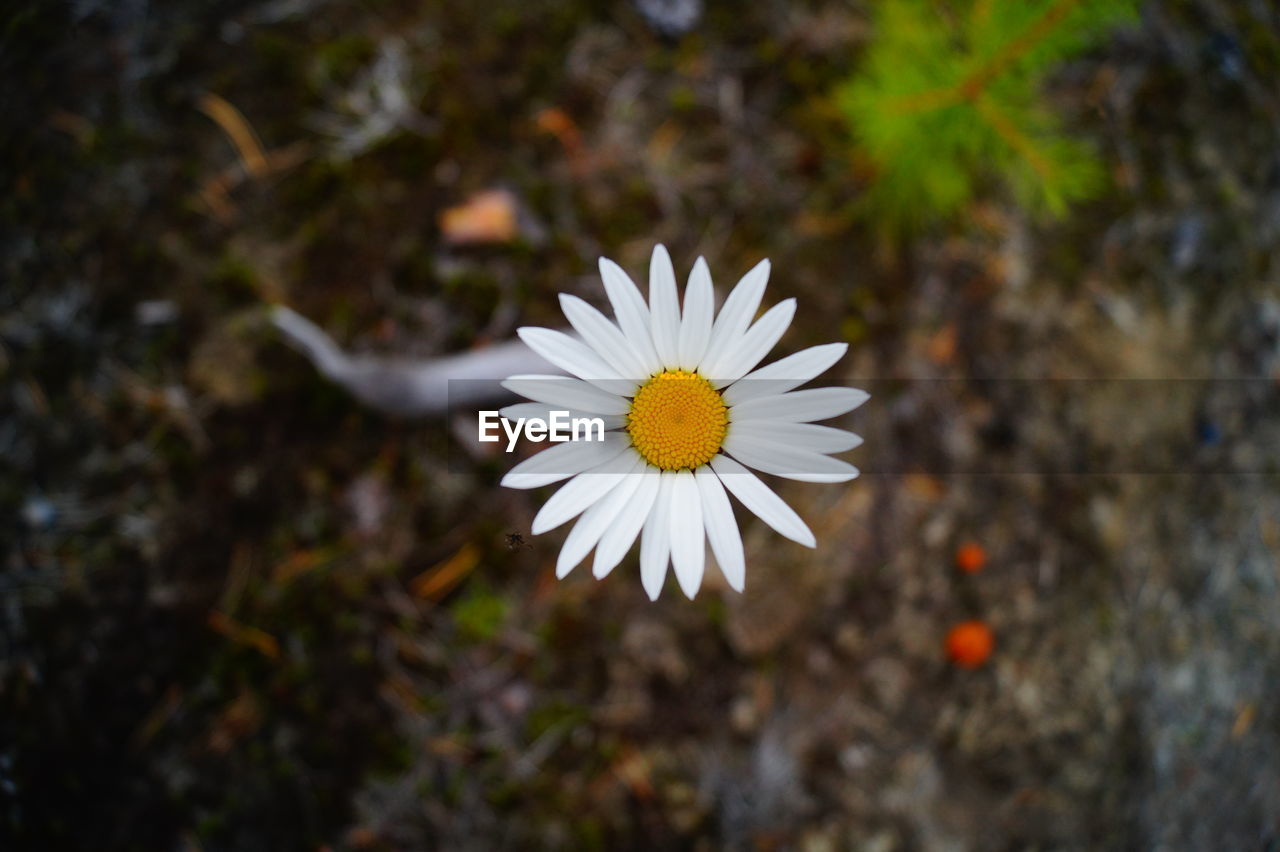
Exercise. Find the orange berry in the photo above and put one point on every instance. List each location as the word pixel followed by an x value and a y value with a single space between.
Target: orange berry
pixel 970 643
pixel 970 557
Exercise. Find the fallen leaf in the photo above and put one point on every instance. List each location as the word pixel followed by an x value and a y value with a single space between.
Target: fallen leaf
pixel 486 217
pixel 941 347
pixel 238 720
pixel 556 122
pixel 1244 721
pixel 299 563
pixel 434 583
pixel 633 769
pixel 233 124
pixel 261 640
pixel 922 486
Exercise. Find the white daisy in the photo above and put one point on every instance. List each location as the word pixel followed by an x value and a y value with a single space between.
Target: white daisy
pixel 688 413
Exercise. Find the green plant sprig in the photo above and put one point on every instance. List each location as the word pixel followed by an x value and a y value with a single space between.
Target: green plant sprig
pixel 949 100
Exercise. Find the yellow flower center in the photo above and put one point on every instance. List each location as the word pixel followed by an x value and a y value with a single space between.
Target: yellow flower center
pixel 677 420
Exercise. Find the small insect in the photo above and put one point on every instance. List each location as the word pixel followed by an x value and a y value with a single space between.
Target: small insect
pixel 515 541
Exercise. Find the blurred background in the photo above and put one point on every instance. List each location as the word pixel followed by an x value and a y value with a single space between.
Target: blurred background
pixel 241 609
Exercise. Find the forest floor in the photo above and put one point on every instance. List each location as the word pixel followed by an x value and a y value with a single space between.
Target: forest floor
pixel 241 611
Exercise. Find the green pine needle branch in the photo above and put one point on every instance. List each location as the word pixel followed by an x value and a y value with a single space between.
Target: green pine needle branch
pixel 949 100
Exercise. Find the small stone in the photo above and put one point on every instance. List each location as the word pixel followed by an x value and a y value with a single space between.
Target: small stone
pixel 849 639
pixel 743 716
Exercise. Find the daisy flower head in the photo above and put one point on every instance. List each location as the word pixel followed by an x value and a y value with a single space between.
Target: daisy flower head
pixel 687 413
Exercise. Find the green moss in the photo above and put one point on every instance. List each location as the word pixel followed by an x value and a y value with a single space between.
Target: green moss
pixel 552 715
pixel 683 99
pixel 344 57
pixel 480 613
pixel 235 279
pixel 716 612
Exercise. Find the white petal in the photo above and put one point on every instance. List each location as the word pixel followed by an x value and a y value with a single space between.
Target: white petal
pixel 603 336
pixel 542 411
pixel 751 348
pixel 722 528
pixel 737 312
pixel 564 460
pixel 631 311
pixel 664 307
pixel 655 541
pixel 567 393
pixel 789 462
pixel 802 436
pixel 581 491
pixel 699 308
pixel 688 545
pixel 595 520
pixel 617 539
pixel 786 373
pixel 576 357
pixel 802 406
pixel 761 501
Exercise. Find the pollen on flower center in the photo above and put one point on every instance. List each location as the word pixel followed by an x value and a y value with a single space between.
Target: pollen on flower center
pixel 677 420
